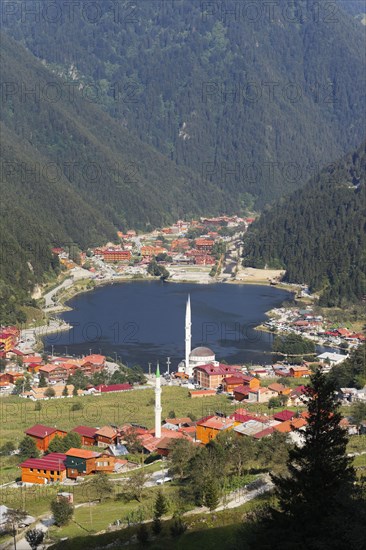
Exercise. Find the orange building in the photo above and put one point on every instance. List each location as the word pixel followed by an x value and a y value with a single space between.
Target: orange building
pixel 87 434
pixel 116 255
pixel 297 372
pixel 43 435
pixel 54 373
pixel 80 462
pixel 210 428
pixel 204 244
pixel 48 469
pixel 232 382
pixel 6 341
pixel 106 436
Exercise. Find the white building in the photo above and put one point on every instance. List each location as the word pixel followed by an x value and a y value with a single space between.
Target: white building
pixel 332 358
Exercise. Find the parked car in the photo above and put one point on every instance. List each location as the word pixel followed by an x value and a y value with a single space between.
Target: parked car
pixel 163 480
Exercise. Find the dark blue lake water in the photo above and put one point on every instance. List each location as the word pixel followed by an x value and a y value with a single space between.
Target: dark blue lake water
pixel 143 322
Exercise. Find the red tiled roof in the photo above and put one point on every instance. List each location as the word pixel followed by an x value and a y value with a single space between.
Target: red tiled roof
pixel 202 392
pixel 299 390
pixel 96 359
pixel 32 359
pixel 86 431
pixel 264 433
pixel 53 461
pixel 284 415
pixel 247 378
pixel 216 422
pixel 106 431
pixel 211 369
pixel 50 368
pixel 243 417
pixel 41 431
pixel 81 453
pixel 290 425
pixel 182 420
pixel 233 379
pixel 277 387
pixel 243 390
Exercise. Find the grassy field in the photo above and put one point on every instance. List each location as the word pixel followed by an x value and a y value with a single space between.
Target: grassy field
pixel 16 414
pixel 217 530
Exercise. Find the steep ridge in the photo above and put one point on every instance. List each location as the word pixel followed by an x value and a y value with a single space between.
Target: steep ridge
pixel 319 233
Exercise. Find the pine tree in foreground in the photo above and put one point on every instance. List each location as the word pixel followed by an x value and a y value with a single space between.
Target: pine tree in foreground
pixel 321 478
pixel 160 508
pixel 320 505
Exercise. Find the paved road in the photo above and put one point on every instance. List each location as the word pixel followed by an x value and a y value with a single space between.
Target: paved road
pixel 75 274
pixel 48 297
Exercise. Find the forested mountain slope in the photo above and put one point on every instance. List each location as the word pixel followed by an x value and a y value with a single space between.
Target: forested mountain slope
pixel 72 174
pixel 319 233
pixel 237 96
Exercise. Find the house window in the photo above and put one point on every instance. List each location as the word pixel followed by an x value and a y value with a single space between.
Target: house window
pixel 31 469
pixel 52 472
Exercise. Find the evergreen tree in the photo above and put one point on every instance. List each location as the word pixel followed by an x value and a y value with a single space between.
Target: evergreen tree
pixel 42 381
pixel 34 538
pixel 320 471
pixel 212 495
pixel 319 506
pixel 62 511
pixel 28 448
pixel 65 391
pixel 56 445
pixel 49 392
pixel 160 508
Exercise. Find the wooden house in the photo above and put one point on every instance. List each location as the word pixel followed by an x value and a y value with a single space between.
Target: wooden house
pixel 43 435
pixel 48 469
pixel 106 436
pixel 87 435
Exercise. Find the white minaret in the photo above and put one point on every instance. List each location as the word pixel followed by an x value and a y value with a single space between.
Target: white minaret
pixel 157 403
pixel 188 335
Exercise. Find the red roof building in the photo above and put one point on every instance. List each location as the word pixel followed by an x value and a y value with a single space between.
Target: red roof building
pixel 43 435
pixel 211 375
pixel 204 244
pixel 48 469
pixel 241 392
pixel 87 434
pixel 284 415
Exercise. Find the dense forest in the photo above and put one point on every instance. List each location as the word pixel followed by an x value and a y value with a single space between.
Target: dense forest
pixel 238 95
pixel 159 111
pixel 318 234
pixel 71 174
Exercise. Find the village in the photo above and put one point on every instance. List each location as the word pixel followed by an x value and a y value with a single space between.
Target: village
pixel 254 404
pixel 203 400
pixel 196 251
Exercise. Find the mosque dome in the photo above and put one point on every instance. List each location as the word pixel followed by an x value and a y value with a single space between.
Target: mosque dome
pixel 202 353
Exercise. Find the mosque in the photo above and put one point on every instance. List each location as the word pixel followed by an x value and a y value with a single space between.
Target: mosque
pixel 197 356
